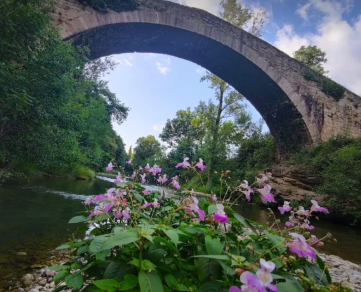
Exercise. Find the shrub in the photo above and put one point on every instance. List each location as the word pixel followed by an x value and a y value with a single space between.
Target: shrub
pixel 141 240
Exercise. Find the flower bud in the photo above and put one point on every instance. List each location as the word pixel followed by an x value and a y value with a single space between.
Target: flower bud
pixel 239 272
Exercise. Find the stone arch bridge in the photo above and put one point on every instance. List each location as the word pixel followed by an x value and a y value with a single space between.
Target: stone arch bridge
pixel 291 98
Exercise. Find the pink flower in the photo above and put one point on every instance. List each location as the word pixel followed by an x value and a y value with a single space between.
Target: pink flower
pixel 155 170
pixel 306 225
pixel 315 240
pixel 175 183
pixel 98 210
pixel 250 282
pixel 266 195
pixel 264 274
pixel 143 178
pixel 147 167
pixel 118 179
pixel 316 207
pixel 220 215
pixel 129 161
pixel 214 198
pixel 146 192
pixel 134 175
pixel 200 164
pixel 192 206
pixel 264 178
pixel 162 180
pixel 285 208
pixel 244 185
pixel 146 205
pixel 184 164
pixel 300 247
pixel 121 214
pixel 302 212
pixel 88 201
pixel 155 204
pixel 292 221
pixel 109 167
pixel 248 193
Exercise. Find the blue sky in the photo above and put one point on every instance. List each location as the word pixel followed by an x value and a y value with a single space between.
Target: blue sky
pixel 155 86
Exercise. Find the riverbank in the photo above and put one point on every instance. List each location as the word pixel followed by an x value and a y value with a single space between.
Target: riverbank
pixel 42 279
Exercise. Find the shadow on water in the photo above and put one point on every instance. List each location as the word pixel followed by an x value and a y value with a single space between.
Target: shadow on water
pixel 34 216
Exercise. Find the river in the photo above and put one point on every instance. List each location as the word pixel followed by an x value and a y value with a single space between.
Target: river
pixel 34 214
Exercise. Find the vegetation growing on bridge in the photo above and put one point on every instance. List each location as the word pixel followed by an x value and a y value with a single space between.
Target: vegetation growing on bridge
pixel 104 6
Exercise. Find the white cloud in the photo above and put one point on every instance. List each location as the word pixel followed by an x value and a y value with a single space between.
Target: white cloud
pixel 212 6
pixel 334 35
pixel 163 67
pixel 303 11
pixel 158 127
pixel 288 41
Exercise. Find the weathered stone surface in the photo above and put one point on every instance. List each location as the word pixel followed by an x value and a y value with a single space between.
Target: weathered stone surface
pixel 296 110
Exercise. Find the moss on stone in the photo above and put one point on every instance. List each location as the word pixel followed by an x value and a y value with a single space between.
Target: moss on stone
pixel 328 86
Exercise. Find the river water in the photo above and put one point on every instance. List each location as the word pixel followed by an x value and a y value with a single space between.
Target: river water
pixel 34 214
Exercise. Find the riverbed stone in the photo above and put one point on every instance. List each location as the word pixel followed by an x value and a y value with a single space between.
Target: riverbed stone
pixel 33 290
pixel 21 253
pixel 27 277
pixel 42 282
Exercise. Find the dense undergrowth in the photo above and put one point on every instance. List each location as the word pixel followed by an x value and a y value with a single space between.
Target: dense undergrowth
pixel 55 112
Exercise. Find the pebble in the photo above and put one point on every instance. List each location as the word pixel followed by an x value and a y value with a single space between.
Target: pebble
pixel 27 277
pixel 21 253
pixel 33 290
pixel 42 282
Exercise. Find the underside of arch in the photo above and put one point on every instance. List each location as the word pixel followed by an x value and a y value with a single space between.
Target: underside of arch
pixel 281 115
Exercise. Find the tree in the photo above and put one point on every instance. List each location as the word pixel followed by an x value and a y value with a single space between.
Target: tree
pixel 146 149
pixel 130 152
pixel 228 106
pixel 312 57
pixel 241 17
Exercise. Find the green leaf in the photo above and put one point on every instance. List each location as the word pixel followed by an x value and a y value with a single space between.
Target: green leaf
pixel 237 260
pixel 96 244
pixel 214 257
pixel 212 209
pixel 82 249
pixel 290 286
pixel 138 197
pixel 134 262
pixel 170 280
pixel 61 275
pixel 181 287
pixel 211 287
pixel 123 238
pixel 106 284
pixel 102 254
pixel 213 245
pixel 226 269
pixel 63 246
pixel 154 253
pixel 78 219
pixel 58 268
pixel 147 265
pixel 173 236
pixel 150 282
pixel 167 244
pixel 321 264
pixel 208 270
pixel 276 240
pixel 316 273
pixel 130 281
pixel 245 222
pixel 116 271
pixel 74 281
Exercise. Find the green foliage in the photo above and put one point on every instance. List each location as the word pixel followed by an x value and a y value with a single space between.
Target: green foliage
pixel 164 249
pixel 55 112
pixel 146 150
pixel 83 172
pixel 104 6
pixel 312 57
pixel 339 163
pixel 328 86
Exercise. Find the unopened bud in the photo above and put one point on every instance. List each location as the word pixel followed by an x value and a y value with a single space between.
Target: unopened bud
pixel 238 272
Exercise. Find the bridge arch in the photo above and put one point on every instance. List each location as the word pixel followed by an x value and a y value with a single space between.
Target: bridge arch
pixel 296 111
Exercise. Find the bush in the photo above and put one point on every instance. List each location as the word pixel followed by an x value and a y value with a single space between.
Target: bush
pixel 144 241
pixel 83 172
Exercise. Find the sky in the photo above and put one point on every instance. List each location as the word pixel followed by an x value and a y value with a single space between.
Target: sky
pixel 156 86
